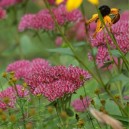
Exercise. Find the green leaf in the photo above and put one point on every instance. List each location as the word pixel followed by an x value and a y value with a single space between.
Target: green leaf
pixel 94 51
pixel 64 59
pixel 79 44
pixel 125 88
pixel 116 53
pixel 52 104
pixel 26 44
pixel 119 77
pixel 127 108
pixel 65 51
pixel 111 107
pixel 10 50
pixel 69 112
pixel 125 72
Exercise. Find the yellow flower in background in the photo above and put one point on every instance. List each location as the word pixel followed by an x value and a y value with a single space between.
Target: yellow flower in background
pixel 73 4
pixel 59 1
pixel 70 4
pixel 95 2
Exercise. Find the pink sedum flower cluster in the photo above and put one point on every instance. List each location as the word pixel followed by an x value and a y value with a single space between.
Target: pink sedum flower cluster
pixel 125 15
pixel 103 57
pixel 51 81
pixel 59 41
pixel 52 2
pixel 2 13
pixel 44 21
pixel 120 31
pixel 78 31
pixel 22 68
pixel 56 81
pixel 126 97
pixel 81 105
pixel 8 96
pixel 7 3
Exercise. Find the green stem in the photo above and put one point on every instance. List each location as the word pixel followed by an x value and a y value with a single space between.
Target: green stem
pixel 120 93
pixel 1 85
pixel 109 50
pixel 39 103
pixel 25 4
pixel 20 105
pixel 88 114
pixel 59 118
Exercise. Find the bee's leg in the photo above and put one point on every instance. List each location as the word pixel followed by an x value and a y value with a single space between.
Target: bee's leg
pixel 98 28
pixel 108 22
pixel 115 18
pixel 94 18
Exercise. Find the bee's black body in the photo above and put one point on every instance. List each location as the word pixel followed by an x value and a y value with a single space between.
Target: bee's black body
pixel 105 10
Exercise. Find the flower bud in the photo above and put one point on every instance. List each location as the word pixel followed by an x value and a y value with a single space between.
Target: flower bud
pixel 63 115
pixel 92 102
pixel 81 97
pixel 12 118
pixel 14 79
pixel 117 97
pixel 1 111
pixel 4 75
pixel 32 112
pixel 12 73
pixel 50 109
pixel 29 126
pixel 3 117
pixel 24 84
pixel 103 102
pixel 80 123
pixel 97 92
pixel 6 100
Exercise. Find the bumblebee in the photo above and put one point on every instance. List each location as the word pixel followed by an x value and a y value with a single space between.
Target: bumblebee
pixel 110 16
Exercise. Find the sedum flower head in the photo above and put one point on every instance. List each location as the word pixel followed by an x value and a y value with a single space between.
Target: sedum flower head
pixel 78 31
pixel 125 15
pixel 7 98
pixel 80 105
pixel 51 81
pixel 59 41
pixel 56 81
pixel 52 2
pixel 7 3
pixel 21 68
pixel 2 13
pixel 44 21
pixel 9 95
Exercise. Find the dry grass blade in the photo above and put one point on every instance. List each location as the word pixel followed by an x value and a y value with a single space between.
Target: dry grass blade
pixel 104 118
